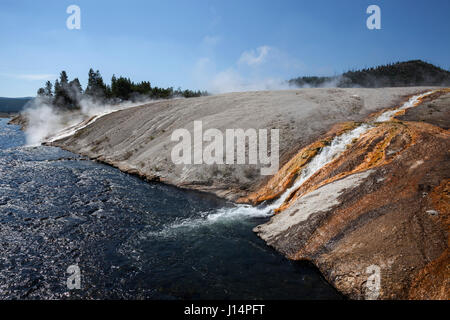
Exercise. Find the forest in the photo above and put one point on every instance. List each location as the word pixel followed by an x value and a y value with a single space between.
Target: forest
pixel 67 94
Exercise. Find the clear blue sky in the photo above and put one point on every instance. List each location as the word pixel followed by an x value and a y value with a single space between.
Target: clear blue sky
pixel 201 44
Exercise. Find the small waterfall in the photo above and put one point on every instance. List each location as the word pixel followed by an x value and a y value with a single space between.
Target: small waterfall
pixel 412 102
pixel 337 146
pixel 324 157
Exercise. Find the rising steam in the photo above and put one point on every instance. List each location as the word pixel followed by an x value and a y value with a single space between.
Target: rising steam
pixel 45 120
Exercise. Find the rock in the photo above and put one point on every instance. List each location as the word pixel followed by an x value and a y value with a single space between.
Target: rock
pixel 360 219
pixel 435 111
pixel 19 120
pixel 140 137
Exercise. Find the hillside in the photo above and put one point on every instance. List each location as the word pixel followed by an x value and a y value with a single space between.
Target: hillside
pixel 142 143
pixel 400 74
pixel 381 204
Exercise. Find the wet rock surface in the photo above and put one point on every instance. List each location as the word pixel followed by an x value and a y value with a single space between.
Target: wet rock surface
pixel 436 112
pixel 394 215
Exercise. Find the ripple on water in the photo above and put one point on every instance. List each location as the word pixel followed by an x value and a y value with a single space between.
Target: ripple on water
pixel 131 239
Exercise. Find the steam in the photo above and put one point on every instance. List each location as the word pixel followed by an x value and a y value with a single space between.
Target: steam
pixel 45 122
pixel 232 81
pixel 254 70
pixel 333 82
pixel 42 120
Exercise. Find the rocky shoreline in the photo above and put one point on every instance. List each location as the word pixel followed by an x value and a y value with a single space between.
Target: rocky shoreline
pixel 382 204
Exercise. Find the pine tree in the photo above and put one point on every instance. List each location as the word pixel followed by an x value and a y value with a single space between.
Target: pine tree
pixel 114 86
pixel 41 92
pixel 66 94
pixel 75 85
pixel 123 88
pixel 63 79
pixel 48 89
pixel 57 87
pixel 96 88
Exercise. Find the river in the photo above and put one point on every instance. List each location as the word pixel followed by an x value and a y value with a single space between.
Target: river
pixel 130 239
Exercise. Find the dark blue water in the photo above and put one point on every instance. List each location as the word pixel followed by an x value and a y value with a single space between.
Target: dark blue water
pixel 131 239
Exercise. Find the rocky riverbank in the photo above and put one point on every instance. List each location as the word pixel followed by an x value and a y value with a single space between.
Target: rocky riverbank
pixel 383 202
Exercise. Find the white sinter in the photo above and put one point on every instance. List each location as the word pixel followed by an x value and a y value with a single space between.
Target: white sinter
pixel 326 155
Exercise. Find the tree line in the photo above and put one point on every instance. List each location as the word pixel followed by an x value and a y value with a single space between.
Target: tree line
pixel 68 94
pixel 409 73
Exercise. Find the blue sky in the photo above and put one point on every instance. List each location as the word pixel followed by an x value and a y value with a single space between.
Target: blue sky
pixel 214 45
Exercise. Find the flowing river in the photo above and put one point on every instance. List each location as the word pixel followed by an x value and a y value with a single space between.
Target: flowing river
pixel 131 239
